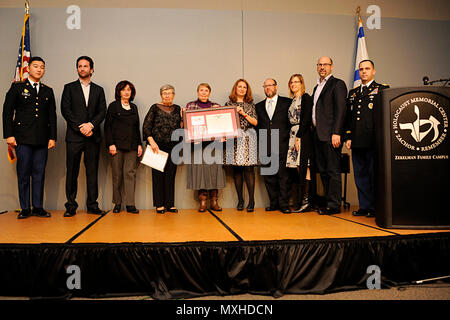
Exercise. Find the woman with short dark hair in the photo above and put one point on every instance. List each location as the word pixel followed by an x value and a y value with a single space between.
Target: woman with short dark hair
pixel 123 140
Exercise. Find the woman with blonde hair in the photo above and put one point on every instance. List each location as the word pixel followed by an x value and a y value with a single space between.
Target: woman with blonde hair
pixel 300 150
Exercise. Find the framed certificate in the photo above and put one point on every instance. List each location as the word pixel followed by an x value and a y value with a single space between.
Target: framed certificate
pixel 211 123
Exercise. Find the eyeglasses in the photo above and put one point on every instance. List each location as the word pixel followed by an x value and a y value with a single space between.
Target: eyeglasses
pixel 323 64
pixel 295 82
pixel 269 85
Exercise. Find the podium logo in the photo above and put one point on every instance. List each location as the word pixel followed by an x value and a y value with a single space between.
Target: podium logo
pixel 420 124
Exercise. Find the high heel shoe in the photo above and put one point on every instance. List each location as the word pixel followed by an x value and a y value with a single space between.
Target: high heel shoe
pixel 251 206
pixel 240 205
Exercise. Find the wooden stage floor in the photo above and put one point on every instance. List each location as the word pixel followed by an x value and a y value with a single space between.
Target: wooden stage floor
pixel 189 226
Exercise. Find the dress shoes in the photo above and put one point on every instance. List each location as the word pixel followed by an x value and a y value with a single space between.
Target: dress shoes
pixel 160 210
pixel 95 211
pixel 69 213
pixel 328 211
pixel 270 208
pixel 370 214
pixel 24 213
pixel 360 212
pixel 40 212
pixel 117 208
pixel 251 206
pixel 173 209
pixel 132 209
pixel 286 210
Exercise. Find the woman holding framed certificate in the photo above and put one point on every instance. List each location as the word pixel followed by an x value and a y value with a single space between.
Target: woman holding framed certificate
pixel 204 177
pixel 244 155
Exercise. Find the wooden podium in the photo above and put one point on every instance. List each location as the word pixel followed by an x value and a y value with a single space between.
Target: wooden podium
pixel 412 187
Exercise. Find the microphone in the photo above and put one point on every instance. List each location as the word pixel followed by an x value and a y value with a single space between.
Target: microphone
pixel 425 80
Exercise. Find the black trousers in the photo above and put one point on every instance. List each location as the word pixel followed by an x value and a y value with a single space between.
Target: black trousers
pixel 328 164
pixel 31 162
pixel 91 151
pixel 163 183
pixel 277 185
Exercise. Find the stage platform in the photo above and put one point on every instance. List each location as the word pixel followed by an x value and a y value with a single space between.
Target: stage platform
pixel 188 254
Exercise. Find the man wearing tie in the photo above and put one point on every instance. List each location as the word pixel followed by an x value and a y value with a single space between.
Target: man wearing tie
pixel 328 119
pixel 273 115
pixel 29 126
pixel 83 106
pixel 360 135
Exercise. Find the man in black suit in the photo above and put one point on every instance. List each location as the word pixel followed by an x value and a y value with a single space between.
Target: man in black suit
pixel 273 115
pixel 83 106
pixel 360 135
pixel 29 126
pixel 328 125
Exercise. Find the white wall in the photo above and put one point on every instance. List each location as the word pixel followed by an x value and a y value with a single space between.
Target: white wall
pixel 184 47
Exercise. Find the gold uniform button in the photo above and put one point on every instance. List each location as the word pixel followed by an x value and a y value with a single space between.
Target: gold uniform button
pixel 357 118
pixel 37 109
pixel 37 116
pixel 357 112
pixel 359 107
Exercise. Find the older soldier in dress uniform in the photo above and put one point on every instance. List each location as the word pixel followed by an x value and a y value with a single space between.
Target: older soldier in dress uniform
pixel 29 126
pixel 360 135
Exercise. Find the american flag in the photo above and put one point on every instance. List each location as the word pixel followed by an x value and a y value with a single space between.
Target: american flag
pixel 24 51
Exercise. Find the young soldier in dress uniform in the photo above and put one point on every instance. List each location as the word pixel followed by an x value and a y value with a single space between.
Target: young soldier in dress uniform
pixel 29 126
pixel 360 135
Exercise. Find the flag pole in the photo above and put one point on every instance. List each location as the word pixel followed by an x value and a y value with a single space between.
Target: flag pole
pixel 27 13
pixel 358 12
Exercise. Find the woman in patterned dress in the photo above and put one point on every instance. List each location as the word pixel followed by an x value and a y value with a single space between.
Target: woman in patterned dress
pixel 243 157
pixel 300 140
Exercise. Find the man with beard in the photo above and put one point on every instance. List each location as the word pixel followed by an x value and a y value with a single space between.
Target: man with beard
pixel 273 115
pixel 83 106
pixel 328 119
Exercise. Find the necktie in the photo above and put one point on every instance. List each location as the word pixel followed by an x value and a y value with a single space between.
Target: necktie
pixel 35 87
pixel 270 109
pixel 365 90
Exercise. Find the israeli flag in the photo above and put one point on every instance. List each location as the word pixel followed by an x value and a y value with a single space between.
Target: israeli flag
pixel 361 52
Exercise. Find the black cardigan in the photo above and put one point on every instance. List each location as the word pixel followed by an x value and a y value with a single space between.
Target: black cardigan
pixel 122 127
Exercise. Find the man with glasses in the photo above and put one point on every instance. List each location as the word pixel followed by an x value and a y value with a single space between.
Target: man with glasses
pixel 272 114
pixel 328 119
